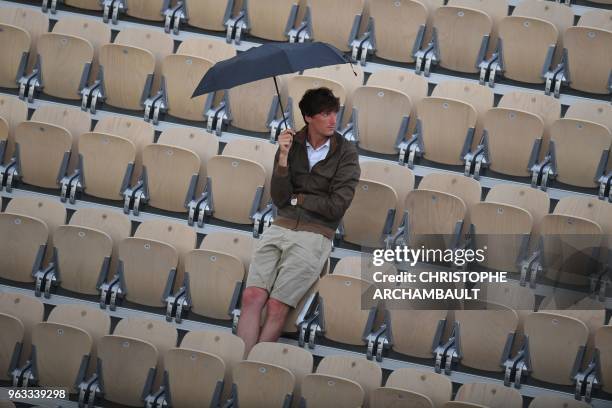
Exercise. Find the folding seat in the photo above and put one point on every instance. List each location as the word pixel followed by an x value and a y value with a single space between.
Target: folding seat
pixel 366 373
pixel 146 9
pixel 29 311
pixel 11 338
pixel 257 384
pixel 511 143
pixel 573 140
pixel 31 20
pixel 84 4
pixel 299 84
pixel 591 111
pixel 603 343
pixel 335 22
pixel 268 19
pixel 94 31
pixel 489 395
pixel 321 391
pixel 13 58
pixel 449 24
pixel 551 401
pixel 295 359
pixel 74 120
pixel 415 86
pixel 199 141
pixel 42 153
pixel 13 111
pixel 394 30
pixel 223 344
pixel 535 202
pixel 22 248
pixel 596 18
pixel 178 235
pixel 51 212
pixel 233 242
pixel 139 132
pixel 416 386
pixel 211 48
pixel 496 9
pixel 60 352
pixel 380 118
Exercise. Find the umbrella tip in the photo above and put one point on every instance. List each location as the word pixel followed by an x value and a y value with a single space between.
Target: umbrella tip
pixel 353 69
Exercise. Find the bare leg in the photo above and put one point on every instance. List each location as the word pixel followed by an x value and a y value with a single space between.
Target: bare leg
pixel 276 314
pixel 253 300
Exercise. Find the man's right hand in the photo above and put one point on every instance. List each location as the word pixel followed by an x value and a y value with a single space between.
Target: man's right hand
pixel 285 140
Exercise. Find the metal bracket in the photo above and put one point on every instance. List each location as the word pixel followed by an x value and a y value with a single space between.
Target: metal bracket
pixel 44 280
pixel 112 9
pixel 556 77
pixel 377 343
pixel 50 6
pixel 174 17
pixel 28 84
pixel 235 27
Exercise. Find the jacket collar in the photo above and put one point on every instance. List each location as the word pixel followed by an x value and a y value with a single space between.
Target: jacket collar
pixel 300 137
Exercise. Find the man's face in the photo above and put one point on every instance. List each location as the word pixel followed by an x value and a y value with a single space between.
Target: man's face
pixel 323 123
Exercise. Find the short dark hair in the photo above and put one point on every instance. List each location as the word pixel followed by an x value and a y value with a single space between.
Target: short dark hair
pixel 318 100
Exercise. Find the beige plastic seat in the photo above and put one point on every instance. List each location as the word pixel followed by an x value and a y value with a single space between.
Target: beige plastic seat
pixel 60 350
pixel 364 372
pixel 295 359
pixel 31 20
pixel 194 377
pixel 151 10
pixel 512 136
pixel 42 148
pixel 85 4
pixel 552 401
pixel 558 15
pixel 138 131
pixel 11 57
pixel 93 320
pixel 82 254
pixel 526 42
pixel 230 204
pixel 396 26
pixel 29 311
pixel 554 341
pixel 208 14
pixel 578 141
pixel 11 335
pixel 536 202
pixel 63 62
pixel 14 111
pixel 496 9
pixel 333 21
pixel 590 208
pixel 603 341
pixel 262 385
pixel 182 74
pixel 74 120
pixel 96 32
pixel 444 144
pixel 598 112
pixel 299 84
pixel 178 235
pixel 459 33
pixel 321 391
pixel 170 172
pixel 417 330
pixel 344 320
pixel 147 267
pixel 214 280
pixel 126 363
pixel 232 242
pixel 51 212
pixel 597 18
pixel 380 117
pixel 249 104
pixel 269 19
pixel 208 48
pixel 127 71
pixel 371 214
pixel 415 86
pixel 435 387
pixel 489 395
pixel 223 344
pixel 588 48
pixel 22 239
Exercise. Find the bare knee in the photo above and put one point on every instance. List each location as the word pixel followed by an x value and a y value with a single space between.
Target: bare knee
pixel 276 309
pixel 254 298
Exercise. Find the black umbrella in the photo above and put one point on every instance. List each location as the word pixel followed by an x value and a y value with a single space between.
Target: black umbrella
pixel 266 61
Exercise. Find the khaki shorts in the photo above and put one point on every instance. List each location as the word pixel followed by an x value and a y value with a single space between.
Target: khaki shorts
pixel 286 263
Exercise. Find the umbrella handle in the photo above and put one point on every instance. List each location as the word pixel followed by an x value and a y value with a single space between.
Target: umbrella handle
pixel 280 103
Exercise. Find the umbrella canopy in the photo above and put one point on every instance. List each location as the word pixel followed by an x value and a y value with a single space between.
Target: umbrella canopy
pixel 267 61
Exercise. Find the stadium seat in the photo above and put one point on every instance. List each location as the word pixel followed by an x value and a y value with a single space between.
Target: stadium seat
pixel 591 111
pixel 152 10
pixel 12 57
pixel 232 242
pixel 85 4
pixel 426 385
pixel 596 18
pixel 552 401
pixel 224 344
pixel 395 29
pixel 415 86
pixel 74 120
pixel 13 111
pixel 416 330
pixel 335 22
pixel 208 48
pixel 199 141
pixel 59 354
pixel 603 341
pixel 321 391
pixel 536 202
pixel 271 19
pixel 139 132
pixel 590 208
pixel 29 311
pixel 380 118
pixel 366 373
pixel 489 395
pixel 588 49
pixel 296 87
pixel 11 337
pixel 22 248
pixel 208 14
pixel 31 20
pixel 258 384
